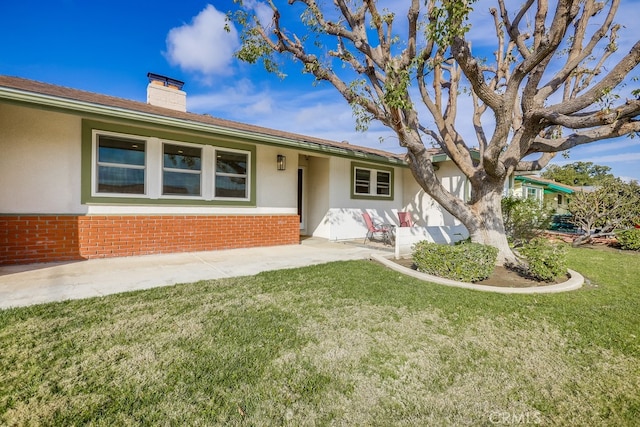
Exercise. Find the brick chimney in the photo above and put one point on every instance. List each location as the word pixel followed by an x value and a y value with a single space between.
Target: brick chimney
pixel 166 92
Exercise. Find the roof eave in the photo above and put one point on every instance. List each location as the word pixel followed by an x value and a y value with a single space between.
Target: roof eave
pixel 555 187
pixel 56 103
pixel 442 157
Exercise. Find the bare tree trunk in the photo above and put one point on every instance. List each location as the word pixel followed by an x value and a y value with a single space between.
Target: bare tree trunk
pixel 588 238
pixel 482 216
pixel 487 226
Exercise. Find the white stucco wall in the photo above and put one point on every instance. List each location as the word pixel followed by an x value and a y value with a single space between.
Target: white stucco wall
pixel 406 237
pixel 431 221
pixel 317 191
pixel 40 171
pixel 276 189
pixel 40 161
pixel 424 210
pixel 341 216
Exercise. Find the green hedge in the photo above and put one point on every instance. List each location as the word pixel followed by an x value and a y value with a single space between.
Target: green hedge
pixel 629 239
pixel 469 262
pixel 546 261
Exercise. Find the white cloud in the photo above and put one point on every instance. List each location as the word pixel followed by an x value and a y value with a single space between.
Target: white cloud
pixel 627 157
pixel 239 101
pixel 263 11
pixel 203 46
pixel 607 145
pixel 321 113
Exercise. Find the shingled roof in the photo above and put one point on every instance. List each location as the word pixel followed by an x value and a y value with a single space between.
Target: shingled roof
pixel 78 98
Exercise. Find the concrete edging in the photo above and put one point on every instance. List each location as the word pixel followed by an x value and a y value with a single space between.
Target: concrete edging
pixel 575 281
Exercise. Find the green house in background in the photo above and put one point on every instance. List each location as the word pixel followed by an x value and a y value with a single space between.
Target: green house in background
pixel 551 193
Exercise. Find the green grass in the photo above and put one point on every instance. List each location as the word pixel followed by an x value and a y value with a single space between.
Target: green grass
pixel 348 343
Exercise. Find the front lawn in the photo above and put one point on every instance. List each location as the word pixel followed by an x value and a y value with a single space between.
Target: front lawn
pixel 348 343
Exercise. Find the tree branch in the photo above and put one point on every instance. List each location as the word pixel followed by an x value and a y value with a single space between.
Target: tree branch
pixel 611 80
pixel 474 73
pixel 513 28
pixel 579 53
pixel 619 128
pixel 535 165
pixel 628 110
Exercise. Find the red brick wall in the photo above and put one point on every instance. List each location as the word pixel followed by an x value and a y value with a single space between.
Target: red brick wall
pixel 46 238
pixel 25 239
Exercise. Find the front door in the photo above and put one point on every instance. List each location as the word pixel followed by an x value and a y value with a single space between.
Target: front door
pixel 301 210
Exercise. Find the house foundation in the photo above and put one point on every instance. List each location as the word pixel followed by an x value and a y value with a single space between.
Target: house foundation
pixel 48 238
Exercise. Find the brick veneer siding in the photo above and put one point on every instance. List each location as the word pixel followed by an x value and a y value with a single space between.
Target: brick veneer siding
pixel 46 238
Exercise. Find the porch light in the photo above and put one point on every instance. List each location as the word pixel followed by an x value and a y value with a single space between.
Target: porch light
pixel 281 162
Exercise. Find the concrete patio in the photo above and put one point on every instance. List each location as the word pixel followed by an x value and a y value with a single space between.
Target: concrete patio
pixel 22 285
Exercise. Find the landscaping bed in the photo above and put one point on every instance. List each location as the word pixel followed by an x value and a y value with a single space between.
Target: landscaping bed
pixel 501 277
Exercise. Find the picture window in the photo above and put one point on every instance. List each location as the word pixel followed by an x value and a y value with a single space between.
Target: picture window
pixel 231 174
pixel 121 165
pixel 181 173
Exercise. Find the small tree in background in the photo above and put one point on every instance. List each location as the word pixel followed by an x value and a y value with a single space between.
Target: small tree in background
pixel 613 205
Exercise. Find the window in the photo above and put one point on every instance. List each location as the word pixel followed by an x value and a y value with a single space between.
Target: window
pixel 533 193
pixel 363 181
pixel 371 182
pixel 181 170
pixel 124 164
pixel 231 174
pixel 121 165
pixel 383 183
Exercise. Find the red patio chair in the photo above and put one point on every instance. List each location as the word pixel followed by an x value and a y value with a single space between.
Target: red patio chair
pixel 383 229
pixel 405 219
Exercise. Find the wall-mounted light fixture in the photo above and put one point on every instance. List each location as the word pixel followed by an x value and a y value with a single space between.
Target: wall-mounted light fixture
pixel 281 162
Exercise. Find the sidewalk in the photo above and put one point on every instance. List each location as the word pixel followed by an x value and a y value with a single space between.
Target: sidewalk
pixel 23 285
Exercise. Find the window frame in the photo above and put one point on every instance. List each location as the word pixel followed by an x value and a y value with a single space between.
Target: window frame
pixel 538 192
pixel 360 183
pixel 96 164
pixel 245 176
pixel 155 140
pixel 163 144
pixel 385 184
pixel 373 170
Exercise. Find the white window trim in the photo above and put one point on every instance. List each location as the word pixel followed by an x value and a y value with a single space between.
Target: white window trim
pixel 539 192
pixel 373 182
pixel 95 165
pixel 203 195
pixel 246 176
pixel 154 167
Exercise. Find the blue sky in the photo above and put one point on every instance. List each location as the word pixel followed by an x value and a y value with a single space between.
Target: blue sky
pixel 109 46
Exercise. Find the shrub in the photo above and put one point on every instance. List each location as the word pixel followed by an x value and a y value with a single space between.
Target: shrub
pixel 546 260
pixel 468 262
pixel 629 239
pixel 524 219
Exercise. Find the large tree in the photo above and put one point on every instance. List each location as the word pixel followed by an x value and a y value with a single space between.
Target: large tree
pixel 578 173
pixel 547 87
